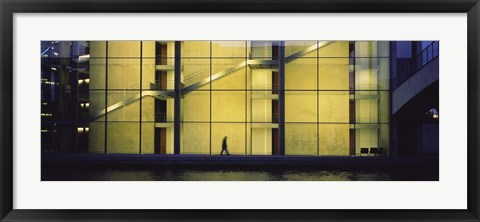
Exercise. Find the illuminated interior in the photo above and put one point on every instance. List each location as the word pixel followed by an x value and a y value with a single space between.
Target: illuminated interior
pixel 336 97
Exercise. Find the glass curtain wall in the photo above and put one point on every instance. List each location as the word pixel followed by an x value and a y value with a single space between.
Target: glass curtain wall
pixel 336 97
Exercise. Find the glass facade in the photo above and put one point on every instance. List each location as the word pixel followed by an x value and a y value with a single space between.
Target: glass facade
pixel 336 97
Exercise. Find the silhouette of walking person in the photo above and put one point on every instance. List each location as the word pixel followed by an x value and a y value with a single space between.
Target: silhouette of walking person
pixel 224 146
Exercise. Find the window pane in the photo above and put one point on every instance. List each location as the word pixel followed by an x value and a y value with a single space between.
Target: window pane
pixel 301 74
pixel 295 49
pixel 96 107
pixel 334 49
pixel 118 49
pixel 366 49
pixel 148 108
pixel 334 106
pixel 262 111
pixel 195 49
pixel 97 70
pixel 123 105
pixel 195 71
pixel 261 49
pixel 228 106
pixel 366 108
pixel 301 106
pixel 366 78
pixel 148 137
pixel 124 73
pixel 195 138
pixel 235 133
pixel 334 139
pixel 96 137
pixel 148 73
pixel 98 49
pixel 300 139
pixel 334 73
pixel 261 141
pixel 226 49
pixel 229 73
pixel 196 106
pixel 123 137
pixel 366 137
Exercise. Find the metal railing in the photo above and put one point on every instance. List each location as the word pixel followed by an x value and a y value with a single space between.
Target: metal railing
pixel 408 69
pixel 201 74
pixel 157 85
pixel 198 78
pixel 114 98
pixel 292 47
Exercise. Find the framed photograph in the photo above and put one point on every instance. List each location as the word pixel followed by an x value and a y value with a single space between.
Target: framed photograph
pixel 268 110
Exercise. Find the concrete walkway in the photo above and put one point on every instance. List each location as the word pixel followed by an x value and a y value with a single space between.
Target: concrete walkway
pixel 236 161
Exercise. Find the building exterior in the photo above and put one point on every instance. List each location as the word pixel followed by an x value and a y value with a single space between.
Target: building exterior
pixel 64 100
pixel 315 98
pixel 415 98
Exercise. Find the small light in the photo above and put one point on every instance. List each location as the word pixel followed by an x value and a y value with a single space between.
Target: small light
pixel 80 81
pixel 55 53
pixel 53 69
pixel 433 112
pixel 82 105
pixel 87 81
pixel 83 57
pixel 53 47
pixel 44 131
pixel 80 129
pixel 87 129
pixel 87 105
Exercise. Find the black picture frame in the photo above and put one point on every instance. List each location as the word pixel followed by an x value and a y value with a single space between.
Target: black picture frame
pixel 9 7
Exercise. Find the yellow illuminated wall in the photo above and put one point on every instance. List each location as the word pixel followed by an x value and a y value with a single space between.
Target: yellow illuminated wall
pixel 330 95
pixel 115 76
pixel 319 98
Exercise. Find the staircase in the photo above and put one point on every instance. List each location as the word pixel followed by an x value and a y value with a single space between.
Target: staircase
pixel 119 101
pixel 196 80
pixel 262 63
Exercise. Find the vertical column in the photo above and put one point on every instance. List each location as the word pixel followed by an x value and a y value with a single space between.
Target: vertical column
pixel 393 151
pixel 141 98
pixel 106 97
pixel 352 120
pixel 318 98
pixel 177 97
pixel 210 97
pixel 73 82
pixel 281 97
